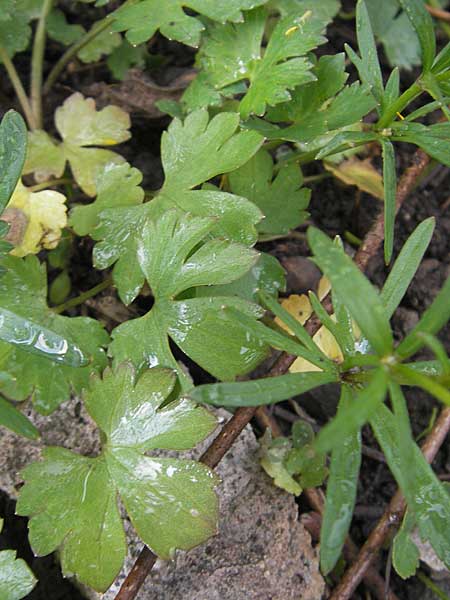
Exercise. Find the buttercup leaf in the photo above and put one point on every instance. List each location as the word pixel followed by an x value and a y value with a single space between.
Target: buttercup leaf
pixel 171 502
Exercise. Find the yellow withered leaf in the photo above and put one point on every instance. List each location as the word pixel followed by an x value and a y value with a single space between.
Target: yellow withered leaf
pixel 41 216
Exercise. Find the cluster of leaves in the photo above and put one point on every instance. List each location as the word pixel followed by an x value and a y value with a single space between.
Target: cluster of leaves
pixel 259 87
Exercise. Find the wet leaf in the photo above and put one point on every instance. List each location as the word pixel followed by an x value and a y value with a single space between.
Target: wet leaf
pixel 12 418
pixel 101 45
pixel 233 53
pixel 143 19
pixel 405 555
pixel 23 374
pixel 426 496
pixel 36 220
pixel 17 580
pixel 170 501
pixel 117 186
pixel 433 139
pixel 13 144
pixel 406 265
pixel 353 290
pixel 281 197
pixel 82 128
pixel 176 253
pixel 261 392
pixel 192 152
pixel 423 26
pixel 341 492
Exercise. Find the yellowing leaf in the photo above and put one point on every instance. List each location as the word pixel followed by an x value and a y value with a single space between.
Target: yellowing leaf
pixel 360 173
pixel 324 287
pixel 327 343
pixel 299 307
pixel 41 217
pixel 82 129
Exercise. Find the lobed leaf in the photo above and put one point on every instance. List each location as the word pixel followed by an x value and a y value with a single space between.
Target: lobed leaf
pixel 72 499
pixel 17 579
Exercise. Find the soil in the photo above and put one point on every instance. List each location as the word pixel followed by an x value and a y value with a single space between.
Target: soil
pixel 336 209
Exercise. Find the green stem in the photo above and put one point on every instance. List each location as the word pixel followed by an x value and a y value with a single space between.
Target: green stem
pixel 18 87
pixel 83 296
pixel 71 52
pixel 432 586
pixel 37 62
pixel 50 183
pixel 396 107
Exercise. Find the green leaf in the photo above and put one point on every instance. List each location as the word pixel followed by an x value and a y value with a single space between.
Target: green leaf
pixel 405 555
pixel 72 499
pixel 16 580
pixel 175 254
pixel 192 152
pixel 13 144
pixel 15 32
pixel 117 186
pixel 406 265
pixel 412 377
pixel 255 180
pixel 81 127
pixel 424 27
pixel 432 321
pixel 266 275
pixel 142 19
pixel 23 374
pixel 433 139
pixel 38 340
pixel 172 264
pixel 280 341
pixel 427 498
pixel 341 492
pixel 395 32
pixel 272 458
pixel 390 192
pixel 124 57
pixel 353 290
pixel 344 141
pixel 353 417
pixel 368 65
pixel 60 30
pixel 12 418
pixel 199 149
pixel 260 392
pixel 103 43
pixel 233 53
pixel 325 10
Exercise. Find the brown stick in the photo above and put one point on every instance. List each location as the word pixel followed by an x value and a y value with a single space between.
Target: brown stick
pixel 231 430
pixel 391 518
pixel 438 13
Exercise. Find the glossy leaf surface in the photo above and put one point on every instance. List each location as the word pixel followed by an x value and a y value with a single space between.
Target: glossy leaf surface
pixel 48 382
pixel 12 418
pixel 341 492
pixel 171 502
pixel 13 144
pixel 261 392
pixel 353 290
pixel 16 578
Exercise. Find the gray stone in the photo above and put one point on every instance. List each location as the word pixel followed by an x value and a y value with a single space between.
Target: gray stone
pixel 69 426
pixel 261 551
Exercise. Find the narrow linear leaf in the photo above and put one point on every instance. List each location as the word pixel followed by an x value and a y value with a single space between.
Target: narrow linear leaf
pixel 353 290
pixel 261 391
pixel 433 319
pixel 428 498
pixel 353 417
pixel 341 492
pixel 423 25
pixel 390 190
pixel 406 265
pixel 13 419
pixel 32 337
pixel 369 69
pixel 279 341
pixel 426 383
pixel 405 555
